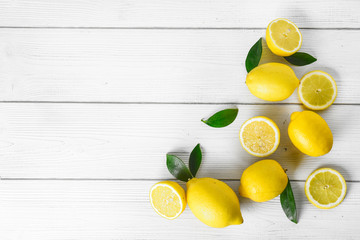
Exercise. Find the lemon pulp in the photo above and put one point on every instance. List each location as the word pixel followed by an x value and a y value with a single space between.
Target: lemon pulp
pixel 317 90
pixel 260 136
pixel 283 37
pixel 325 188
pixel 168 199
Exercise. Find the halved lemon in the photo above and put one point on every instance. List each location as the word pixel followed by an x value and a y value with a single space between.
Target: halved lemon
pixel 325 188
pixel 168 199
pixel 283 37
pixel 317 90
pixel 260 136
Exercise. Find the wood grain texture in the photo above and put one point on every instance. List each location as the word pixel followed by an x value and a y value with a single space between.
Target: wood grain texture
pixel 92 210
pixel 129 141
pixel 192 66
pixel 187 13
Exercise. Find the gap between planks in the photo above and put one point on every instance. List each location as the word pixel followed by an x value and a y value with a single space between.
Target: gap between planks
pixel 168 103
pixel 167 28
pixel 124 179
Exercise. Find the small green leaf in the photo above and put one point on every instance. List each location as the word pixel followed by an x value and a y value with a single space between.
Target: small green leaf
pixel 222 118
pixel 300 59
pixel 178 168
pixel 195 160
pixel 254 56
pixel 288 203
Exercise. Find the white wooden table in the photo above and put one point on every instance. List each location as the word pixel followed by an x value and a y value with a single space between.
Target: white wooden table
pixel 95 93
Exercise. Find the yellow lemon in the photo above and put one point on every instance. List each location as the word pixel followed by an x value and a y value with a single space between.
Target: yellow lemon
pixel 272 81
pixel 168 199
pixel 309 132
pixel 283 37
pixel 317 90
pixel 263 181
pixel 213 202
pixel 260 136
pixel 325 188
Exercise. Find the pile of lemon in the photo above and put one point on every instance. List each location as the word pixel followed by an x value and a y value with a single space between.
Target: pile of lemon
pixel 213 201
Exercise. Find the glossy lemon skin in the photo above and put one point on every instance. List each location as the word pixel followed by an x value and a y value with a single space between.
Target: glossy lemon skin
pixel 272 81
pixel 263 181
pixel 310 133
pixel 213 202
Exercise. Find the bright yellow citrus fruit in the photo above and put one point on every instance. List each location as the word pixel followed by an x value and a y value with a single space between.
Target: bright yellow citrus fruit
pixel 325 188
pixel 317 90
pixel 309 132
pixel 272 81
pixel 213 202
pixel 283 37
pixel 260 136
pixel 168 199
pixel 263 181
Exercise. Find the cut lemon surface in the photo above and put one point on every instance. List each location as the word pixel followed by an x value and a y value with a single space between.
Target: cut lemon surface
pixel 283 37
pixel 325 188
pixel 260 136
pixel 317 90
pixel 168 199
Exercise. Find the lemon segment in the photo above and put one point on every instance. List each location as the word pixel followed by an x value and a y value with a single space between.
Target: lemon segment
pixel 263 181
pixel 168 199
pixel 213 202
pixel 260 136
pixel 283 37
pixel 317 90
pixel 325 188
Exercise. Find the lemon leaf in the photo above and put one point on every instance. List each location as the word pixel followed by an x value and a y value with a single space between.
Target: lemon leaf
pixel 254 56
pixel 178 168
pixel 222 118
pixel 195 160
pixel 288 203
pixel 300 59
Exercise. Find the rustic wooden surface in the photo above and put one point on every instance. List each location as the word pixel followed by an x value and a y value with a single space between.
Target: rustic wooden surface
pixel 93 94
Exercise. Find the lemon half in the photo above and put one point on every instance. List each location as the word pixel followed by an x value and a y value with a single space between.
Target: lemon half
pixel 260 136
pixel 283 37
pixel 168 199
pixel 317 90
pixel 325 188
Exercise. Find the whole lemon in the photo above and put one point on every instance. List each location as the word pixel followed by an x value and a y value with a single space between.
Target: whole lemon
pixel 213 202
pixel 272 81
pixel 309 132
pixel 263 181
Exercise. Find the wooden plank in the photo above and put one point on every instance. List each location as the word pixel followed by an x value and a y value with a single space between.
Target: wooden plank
pixel 155 65
pixel 121 210
pixel 129 141
pixel 164 13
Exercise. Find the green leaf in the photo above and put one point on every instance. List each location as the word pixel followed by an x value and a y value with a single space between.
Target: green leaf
pixel 195 160
pixel 178 168
pixel 300 59
pixel 222 118
pixel 288 203
pixel 254 56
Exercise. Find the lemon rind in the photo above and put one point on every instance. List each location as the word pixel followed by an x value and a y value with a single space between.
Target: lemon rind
pixel 316 203
pixel 177 194
pixel 273 126
pixel 307 104
pixel 297 29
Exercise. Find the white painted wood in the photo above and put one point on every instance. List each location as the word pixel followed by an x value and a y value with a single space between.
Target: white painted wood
pixel 155 65
pixel 129 141
pixel 92 210
pixel 186 13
